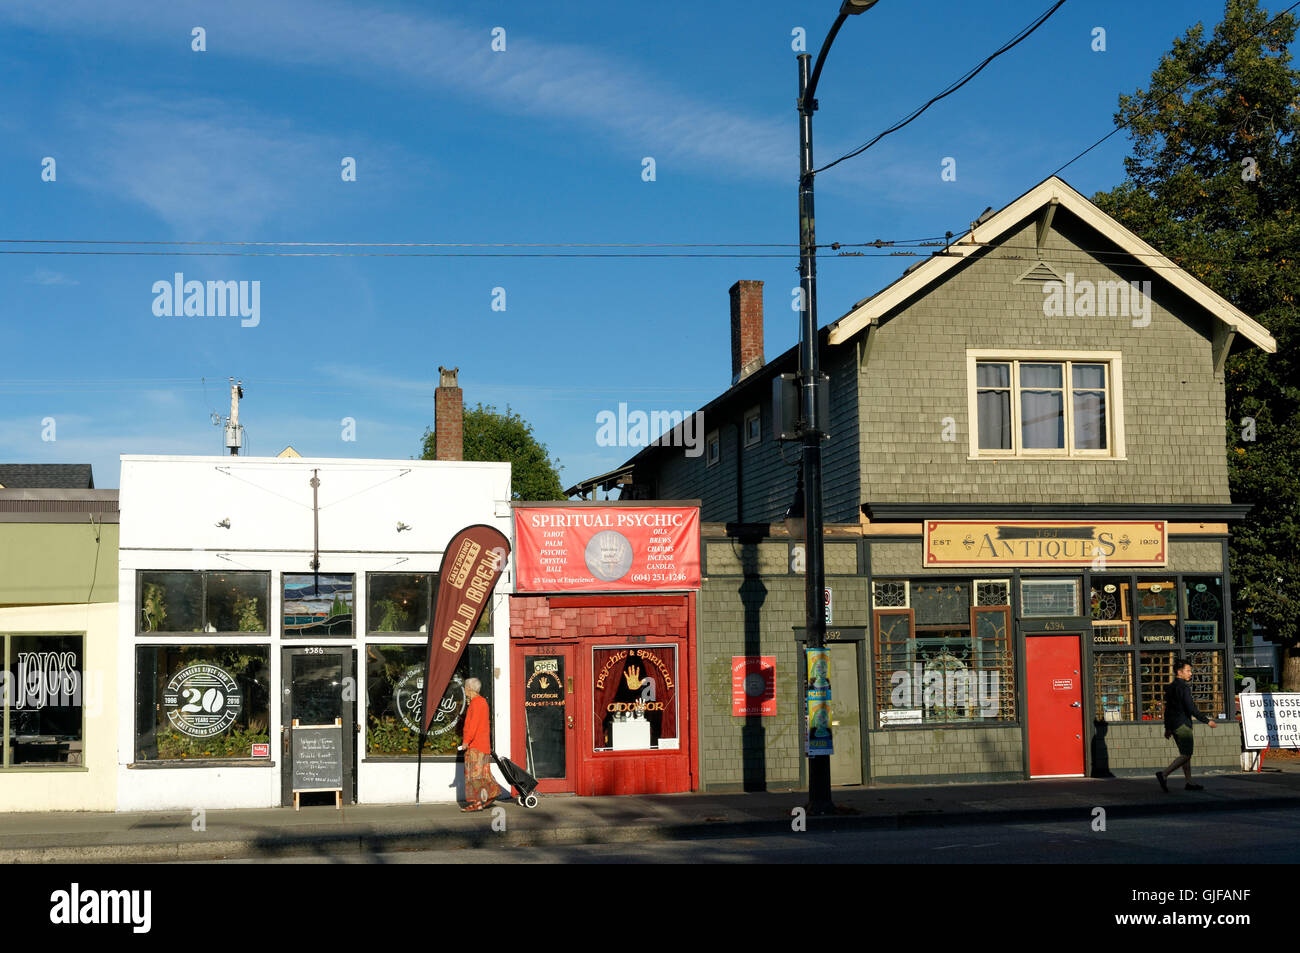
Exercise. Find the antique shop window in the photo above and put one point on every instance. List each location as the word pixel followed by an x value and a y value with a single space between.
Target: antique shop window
pixel 211 602
pixel 993 592
pixel 42 700
pixel 1048 597
pixel 943 660
pixel 1026 405
pixel 317 604
pixel 889 593
pixel 1135 635
pixel 634 690
pixel 395 696
pixel 201 702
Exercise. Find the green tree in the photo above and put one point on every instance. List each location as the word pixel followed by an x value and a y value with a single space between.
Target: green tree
pixel 492 436
pixel 1213 182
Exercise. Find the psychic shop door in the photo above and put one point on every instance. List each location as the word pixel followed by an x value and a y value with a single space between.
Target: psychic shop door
pixel 545 735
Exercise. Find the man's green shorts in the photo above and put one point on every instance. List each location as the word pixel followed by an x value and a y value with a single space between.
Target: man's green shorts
pixel 1183 737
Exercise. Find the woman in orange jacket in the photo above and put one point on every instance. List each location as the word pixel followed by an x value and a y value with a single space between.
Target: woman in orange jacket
pixel 480 788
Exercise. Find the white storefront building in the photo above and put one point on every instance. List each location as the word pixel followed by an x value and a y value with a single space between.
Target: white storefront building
pixel 250 599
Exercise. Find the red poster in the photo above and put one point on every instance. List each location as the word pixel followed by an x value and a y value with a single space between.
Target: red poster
pixel 606 548
pixel 753 684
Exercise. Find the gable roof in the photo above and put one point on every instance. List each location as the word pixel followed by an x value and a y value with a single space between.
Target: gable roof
pixel 1049 191
pixel 46 476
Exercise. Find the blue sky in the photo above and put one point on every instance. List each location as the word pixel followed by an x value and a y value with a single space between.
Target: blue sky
pixel 454 142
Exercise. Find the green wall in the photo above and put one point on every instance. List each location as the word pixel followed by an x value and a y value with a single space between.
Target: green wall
pixel 52 563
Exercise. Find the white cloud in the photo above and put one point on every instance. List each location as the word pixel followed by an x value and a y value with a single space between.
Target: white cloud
pixel 391 49
pixel 46 277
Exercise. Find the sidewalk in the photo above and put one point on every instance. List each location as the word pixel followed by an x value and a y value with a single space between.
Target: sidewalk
pixel 142 838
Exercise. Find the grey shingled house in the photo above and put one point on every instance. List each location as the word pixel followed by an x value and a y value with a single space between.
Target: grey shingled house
pixel 1027 502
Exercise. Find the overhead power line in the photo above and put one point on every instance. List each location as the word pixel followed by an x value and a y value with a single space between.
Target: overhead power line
pixel 1198 75
pixel 950 89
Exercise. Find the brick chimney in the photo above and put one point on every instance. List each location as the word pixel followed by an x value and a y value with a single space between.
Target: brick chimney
pixel 746 329
pixel 449 416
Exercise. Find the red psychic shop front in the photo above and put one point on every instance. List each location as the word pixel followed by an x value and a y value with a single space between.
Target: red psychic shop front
pixel 603 686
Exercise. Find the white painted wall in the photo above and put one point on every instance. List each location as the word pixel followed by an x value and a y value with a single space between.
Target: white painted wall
pixel 170 508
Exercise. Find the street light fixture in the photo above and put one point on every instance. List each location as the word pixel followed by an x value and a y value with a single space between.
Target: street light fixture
pixel 811 382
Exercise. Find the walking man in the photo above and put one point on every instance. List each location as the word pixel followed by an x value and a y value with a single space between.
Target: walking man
pixel 1180 709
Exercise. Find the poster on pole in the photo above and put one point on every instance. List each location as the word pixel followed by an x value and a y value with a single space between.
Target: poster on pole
pixel 819 740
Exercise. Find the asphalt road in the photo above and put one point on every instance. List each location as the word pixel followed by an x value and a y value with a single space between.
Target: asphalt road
pixel 1237 837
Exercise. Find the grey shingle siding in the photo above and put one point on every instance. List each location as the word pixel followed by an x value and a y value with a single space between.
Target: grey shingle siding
pixel 915 376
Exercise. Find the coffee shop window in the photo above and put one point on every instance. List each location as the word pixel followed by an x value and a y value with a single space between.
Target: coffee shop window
pixel 403 603
pixel 945 658
pixel 212 602
pixel 317 605
pixel 635 696
pixel 395 697
pixel 42 701
pixel 202 702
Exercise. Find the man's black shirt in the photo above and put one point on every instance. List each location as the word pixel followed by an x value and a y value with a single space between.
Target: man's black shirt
pixel 1180 707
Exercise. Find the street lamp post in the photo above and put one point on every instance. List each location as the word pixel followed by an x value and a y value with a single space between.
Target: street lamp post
pixel 810 382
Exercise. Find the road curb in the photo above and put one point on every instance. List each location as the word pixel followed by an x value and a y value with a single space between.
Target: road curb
pixel 369 841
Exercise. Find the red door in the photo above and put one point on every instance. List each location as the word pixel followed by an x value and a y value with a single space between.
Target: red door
pixel 1055 690
pixel 546 713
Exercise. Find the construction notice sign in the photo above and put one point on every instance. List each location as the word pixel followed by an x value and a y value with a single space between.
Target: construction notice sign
pixel 1270 719
pixel 606 548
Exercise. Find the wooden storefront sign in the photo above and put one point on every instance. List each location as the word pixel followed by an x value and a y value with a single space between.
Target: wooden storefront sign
pixel 1101 544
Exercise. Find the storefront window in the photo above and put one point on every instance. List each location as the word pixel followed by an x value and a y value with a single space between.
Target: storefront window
pixel 1112 681
pixel 1203 609
pixel 201 702
pixel 398 602
pixel 42 699
pixel 171 602
pixel 956 668
pixel 1130 614
pixel 395 696
pixel 203 601
pixel 317 604
pixel 1049 597
pixel 635 692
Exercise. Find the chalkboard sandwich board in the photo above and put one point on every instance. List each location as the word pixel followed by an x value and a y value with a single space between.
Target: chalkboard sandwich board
pixel 318 760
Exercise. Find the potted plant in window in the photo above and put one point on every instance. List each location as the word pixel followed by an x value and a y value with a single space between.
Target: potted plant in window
pixel 153 607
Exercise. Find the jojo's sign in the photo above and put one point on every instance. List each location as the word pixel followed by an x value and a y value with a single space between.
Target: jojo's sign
pixel 1096 543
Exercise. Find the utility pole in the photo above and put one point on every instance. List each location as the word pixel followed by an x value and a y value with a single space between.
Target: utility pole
pixel 234 432
pixel 811 384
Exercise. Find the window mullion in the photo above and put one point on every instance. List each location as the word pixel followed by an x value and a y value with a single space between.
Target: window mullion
pixel 1015 407
pixel 1067 400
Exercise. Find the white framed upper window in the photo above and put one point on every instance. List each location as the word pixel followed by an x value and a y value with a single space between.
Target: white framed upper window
pixel 1030 404
pixel 754 426
pixel 712 449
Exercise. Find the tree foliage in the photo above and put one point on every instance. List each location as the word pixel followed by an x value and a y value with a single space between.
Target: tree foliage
pixel 492 436
pixel 1212 182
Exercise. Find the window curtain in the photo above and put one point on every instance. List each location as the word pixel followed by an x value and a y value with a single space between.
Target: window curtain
pixel 1089 420
pixel 994 406
pixel 1043 425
